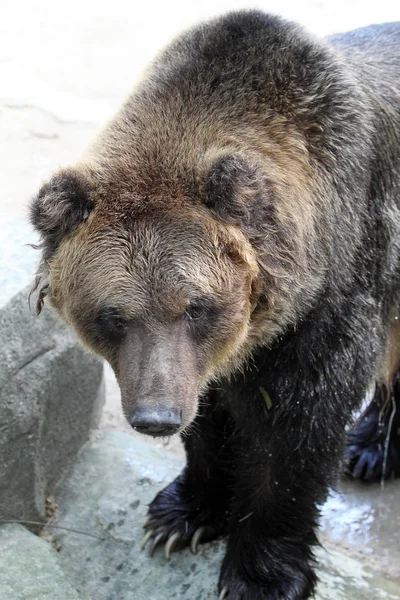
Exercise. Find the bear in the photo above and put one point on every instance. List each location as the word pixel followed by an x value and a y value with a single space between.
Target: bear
pixel 230 244
pixel 373 444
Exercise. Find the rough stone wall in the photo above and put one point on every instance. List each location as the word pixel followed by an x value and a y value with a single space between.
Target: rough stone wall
pixel 51 395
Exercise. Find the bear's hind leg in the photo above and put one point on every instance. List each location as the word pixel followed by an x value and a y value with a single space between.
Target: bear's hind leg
pixel 373 445
pixel 194 508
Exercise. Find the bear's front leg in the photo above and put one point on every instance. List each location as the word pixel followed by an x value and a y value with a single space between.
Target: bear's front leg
pixel 291 409
pixel 272 525
pixel 194 508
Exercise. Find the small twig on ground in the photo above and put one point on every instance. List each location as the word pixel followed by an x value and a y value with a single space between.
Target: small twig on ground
pixel 23 522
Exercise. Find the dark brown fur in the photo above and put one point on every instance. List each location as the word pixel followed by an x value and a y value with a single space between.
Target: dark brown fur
pixel 238 220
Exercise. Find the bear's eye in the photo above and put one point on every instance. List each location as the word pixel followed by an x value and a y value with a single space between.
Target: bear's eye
pixel 110 323
pixel 201 317
pixel 194 312
pixel 199 308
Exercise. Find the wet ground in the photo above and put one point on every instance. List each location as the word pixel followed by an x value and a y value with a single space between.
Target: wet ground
pixel 106 494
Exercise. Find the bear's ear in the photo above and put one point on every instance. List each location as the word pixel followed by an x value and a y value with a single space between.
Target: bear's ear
pixel 60 206
pixel 237 193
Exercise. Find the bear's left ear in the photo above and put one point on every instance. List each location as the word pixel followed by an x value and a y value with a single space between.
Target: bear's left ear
pixel 238 194
pixel 60 206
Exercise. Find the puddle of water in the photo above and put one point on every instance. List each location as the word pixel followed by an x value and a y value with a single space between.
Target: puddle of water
pixel 366 518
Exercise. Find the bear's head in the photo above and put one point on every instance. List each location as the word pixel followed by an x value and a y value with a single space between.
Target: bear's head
pixel 163 285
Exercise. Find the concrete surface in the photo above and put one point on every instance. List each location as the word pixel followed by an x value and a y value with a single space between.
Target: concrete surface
pixel 106 495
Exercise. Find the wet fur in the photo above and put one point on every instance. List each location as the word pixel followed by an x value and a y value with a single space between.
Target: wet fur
pixel 286 150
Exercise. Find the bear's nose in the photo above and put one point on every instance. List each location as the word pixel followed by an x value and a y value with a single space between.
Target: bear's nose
pixel 156 422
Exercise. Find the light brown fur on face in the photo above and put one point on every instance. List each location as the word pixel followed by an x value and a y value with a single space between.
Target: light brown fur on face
pixel 150 272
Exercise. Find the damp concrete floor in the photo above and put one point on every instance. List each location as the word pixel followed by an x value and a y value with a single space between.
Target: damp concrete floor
pixel 106 495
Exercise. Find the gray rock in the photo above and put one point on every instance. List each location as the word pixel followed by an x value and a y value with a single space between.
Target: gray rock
pixel 106 495
pixel 29 568
pixel 51 394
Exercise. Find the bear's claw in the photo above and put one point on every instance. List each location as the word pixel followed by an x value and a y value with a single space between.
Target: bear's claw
pixel 145 539
pixel 157 536
pixel 194 544
pixel 155 543
pixel 224 593
pixel 171 543
pixel 178 518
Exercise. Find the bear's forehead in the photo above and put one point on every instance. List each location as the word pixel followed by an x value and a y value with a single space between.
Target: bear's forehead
pixel 148 242
pixel 159 259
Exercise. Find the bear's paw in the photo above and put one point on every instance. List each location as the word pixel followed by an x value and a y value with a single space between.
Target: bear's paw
pixel 178 518
pixel 373 445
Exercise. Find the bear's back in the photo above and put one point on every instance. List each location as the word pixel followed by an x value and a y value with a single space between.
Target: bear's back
pixel 373 53
pixel 242 62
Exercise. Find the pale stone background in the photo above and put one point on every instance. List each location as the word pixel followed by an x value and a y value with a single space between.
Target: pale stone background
pixel 66 66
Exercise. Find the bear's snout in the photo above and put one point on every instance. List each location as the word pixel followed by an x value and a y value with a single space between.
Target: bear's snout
pixel 156 422
pixel 158 377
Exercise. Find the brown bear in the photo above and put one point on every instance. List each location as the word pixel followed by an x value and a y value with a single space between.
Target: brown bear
pixel 230 244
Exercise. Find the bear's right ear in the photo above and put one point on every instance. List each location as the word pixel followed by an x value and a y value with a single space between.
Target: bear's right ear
pixel 60 206
pixel 238 193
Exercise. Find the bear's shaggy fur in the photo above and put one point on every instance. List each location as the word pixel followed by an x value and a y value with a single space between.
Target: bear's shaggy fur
pixel 233 235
